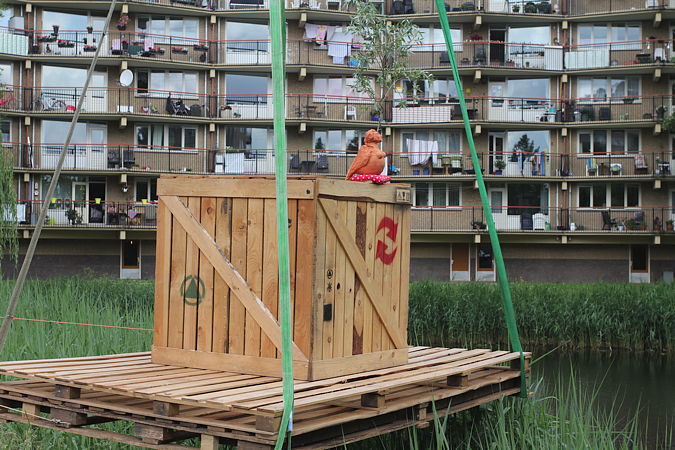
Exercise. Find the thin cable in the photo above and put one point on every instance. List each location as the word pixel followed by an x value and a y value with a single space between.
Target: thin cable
pixel 509 312
pixel 78 323
pixel 25 266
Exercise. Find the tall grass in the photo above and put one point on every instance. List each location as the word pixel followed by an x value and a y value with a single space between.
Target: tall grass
pixel 635 317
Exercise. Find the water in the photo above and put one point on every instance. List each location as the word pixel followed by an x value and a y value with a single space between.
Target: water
pixel 633 381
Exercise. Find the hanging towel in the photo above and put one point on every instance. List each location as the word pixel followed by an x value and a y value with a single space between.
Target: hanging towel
pixel 340 46
pixel 418 152
pixel 433 151
pixel 321 33
pixel 310 32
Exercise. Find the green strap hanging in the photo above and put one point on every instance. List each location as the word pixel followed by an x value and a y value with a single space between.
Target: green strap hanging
pixel 494 238
pixel 278 37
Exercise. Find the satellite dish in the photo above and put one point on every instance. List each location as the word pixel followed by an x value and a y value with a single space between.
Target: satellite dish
pixel 126 77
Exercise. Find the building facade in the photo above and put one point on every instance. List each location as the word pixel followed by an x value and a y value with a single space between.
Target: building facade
pixel 569 103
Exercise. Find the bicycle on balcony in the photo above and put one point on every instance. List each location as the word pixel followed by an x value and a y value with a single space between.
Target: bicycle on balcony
pixel 44 103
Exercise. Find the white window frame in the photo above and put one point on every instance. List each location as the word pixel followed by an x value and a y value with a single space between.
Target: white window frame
pixel 166 35
pixel 405 134
pixel 608 88
pixel 347 94
pixel 183 93
pixel 7 139
pixel 608 153
pixel 608 197
pixel 149 189
pixel 165 136
pixel 431 194
pixel 434 41
pixel 361 132
pixel 615 45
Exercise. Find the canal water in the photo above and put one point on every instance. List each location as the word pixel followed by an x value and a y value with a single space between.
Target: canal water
pixel 636 382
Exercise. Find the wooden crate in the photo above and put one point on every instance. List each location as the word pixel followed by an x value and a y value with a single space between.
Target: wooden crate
pixel 216 296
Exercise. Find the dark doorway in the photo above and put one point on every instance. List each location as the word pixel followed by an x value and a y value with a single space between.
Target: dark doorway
pixel 97 194
pixel 497 48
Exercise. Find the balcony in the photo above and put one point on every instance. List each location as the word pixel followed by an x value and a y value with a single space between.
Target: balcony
pixel 98 213
pixel 528 219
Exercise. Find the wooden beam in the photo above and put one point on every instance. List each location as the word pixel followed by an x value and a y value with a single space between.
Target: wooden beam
pixel 458 380
pixel 69 392
pixel 372 400
pixel 209 442
pixel 238 286
pixel 165 408
pixel 69 418
pixel 361 269
pixel 190 186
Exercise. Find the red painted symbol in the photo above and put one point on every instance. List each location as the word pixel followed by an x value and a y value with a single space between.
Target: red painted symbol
pixel 382 248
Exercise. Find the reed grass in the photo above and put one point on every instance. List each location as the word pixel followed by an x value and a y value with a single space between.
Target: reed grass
pixel 573 316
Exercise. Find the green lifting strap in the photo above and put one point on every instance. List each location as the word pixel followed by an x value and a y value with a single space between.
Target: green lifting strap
pixel 278 37
pixel 494 238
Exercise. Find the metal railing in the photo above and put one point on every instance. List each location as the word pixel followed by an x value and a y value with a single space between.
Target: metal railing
pixel 97 213
pixel 649 219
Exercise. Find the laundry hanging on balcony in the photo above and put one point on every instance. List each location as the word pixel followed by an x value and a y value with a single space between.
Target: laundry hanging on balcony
pixel 420 152
pixel 340 46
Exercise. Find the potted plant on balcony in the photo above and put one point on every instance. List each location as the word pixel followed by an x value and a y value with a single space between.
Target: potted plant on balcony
pixel 65 44
pixel 478 225
pixel 500 165
pixel 657 224
pixel 74 217
pixel 90 29
pixel 516 8
pixel 56 29
pixel 669 225
pixel 668 122
pixel 468 6
pixel 530 8
pixel 122 22
pixel 628 100
pixel 200 47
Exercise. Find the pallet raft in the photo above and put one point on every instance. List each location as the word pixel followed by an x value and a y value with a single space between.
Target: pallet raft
pixel 169 403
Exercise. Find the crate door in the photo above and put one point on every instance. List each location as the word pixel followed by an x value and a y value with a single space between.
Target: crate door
pixel 359 270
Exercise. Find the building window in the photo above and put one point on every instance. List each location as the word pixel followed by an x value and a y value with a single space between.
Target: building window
pixel 434 41
pixel 168 82
pixel 254 142
pixel 6 130
pixel 159 137
pixel 639 258
pixel 448 142
pixel 255 88
pixel 437 195
pixel 246 37
pixel 617 89
pixel 485 260
pixel 6 76
pixel 616 195
pixel 437 91
pixel 622 36
pixel 130 254
pixel 338 90
pixel 601 142
pixel 146 190
pixel 338 141
pixel 168 29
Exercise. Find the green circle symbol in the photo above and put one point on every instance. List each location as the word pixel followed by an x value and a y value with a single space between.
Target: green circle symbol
pixel 192 289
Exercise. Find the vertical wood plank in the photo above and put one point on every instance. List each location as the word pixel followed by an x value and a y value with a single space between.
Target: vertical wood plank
pixel 395 280
pixel 339 299
pixel 360 297
pixel 378 274
pixel 206 274
pixel 221 291
pixel 317 299
pixel 162 275
pixel 306 244
pixel 293 255
pixel 254 260
pixel 405 271
pixel 178 247
pixel 270 272
pixel 192 270
pixel 349 287
pixel 387 277
pixel 329 286
pixel 238 249
pixel 370 261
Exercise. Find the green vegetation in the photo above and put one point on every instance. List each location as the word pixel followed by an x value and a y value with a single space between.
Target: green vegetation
pixel 564 417
pixel 8 219
pixel 634 317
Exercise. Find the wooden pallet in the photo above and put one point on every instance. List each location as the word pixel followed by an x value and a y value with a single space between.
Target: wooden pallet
pixel 170 403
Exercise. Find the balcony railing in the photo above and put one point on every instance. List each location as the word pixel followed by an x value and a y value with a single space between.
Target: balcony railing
pixel 442 164
pixel 97 213
pixel 651 219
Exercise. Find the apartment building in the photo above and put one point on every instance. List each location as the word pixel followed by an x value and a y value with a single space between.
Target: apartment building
pixel 567 100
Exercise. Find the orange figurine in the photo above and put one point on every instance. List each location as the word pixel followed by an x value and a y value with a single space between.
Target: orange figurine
pixel 369 162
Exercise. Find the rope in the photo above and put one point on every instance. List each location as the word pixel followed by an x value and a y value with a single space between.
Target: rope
pixel 78 323
pixel 494 238
pixel 278 36
pixel 23 273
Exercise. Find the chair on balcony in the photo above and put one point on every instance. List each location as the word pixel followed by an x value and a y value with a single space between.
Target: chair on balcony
pixel 640 165
pixel 445 58
pixel 350 112
pixel 322 163
pixel 605 113
pixel 607 221
pixel 639 218
pixel 480 58
pixel 526 222
pixel 113 159
pixel 295 163
pixel 591 166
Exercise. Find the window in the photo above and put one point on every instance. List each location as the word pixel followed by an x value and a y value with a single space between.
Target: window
pixel 168 29
pixel 617 89
pixel 254 88
pixel 532 93
pixel 167 81
pixel 601 142
pixel 448 141
pixel 158 136
pixel 529 35
pixel 434 41
pixel 130 255
pixel 6 130
pixel 338 90
pixel 146 190
pixel 639 258
pixel 615 195
pixel 437 91
pixel 622 36
pixel 337 140
pixel 255 142
pixel 485 260
pixel 71 22
pixel 6 75
pixel 438 195
pixel 247 37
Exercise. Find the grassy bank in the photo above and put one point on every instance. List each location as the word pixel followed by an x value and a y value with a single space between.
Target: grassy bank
pixel 635 317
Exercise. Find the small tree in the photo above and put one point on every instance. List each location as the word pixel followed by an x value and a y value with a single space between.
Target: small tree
pixel 524 146
pixel 385 50
pixel 8 217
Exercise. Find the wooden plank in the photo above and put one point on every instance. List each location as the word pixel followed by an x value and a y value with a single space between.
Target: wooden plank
pixel 359 292
pixel 217 186
pixel 237 284
pixel 178 252
pixel 329 281
pixel 254 275
pixel 162 275
pixel 8 365
pixel 348 334
pixel 165 408
pixel 349 190
pixel 317 299
pixel 68 392
pixel 387 277
pixel 206 274
pixel 292 255
pixel 270 272
pixel 304 269
pixel 377 276
pixel 370 262
pixel 395 274
pixel 339 299
pixel 237 317
pixel 404 276
pixel 209 442
pixel 354 364
pixel 192 271
pixel 221 291
pixel 361 269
